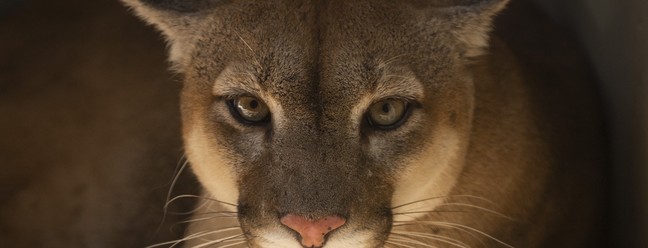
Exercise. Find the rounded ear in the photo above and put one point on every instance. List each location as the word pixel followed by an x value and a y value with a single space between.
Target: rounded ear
pixel 469 21
pixel 178 20
pixel 170 16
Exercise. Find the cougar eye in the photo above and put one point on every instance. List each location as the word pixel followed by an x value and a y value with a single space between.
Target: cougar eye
pixel 387 113
pixel 250 109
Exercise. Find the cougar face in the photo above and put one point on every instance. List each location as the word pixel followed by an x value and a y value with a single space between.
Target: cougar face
pixel 315 119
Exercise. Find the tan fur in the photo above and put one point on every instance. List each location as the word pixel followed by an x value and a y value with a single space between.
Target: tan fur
pixel 489 156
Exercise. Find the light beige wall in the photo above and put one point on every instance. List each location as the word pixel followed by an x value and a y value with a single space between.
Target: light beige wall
pixel 615 35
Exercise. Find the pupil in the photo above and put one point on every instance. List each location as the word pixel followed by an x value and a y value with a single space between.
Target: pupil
pixel 254 104
pixel 385 107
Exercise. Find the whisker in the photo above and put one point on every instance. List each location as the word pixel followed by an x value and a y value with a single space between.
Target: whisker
pixel 204 219
pixel 193 211
pixel 478 207
pixel 173 243
pixel 399 244
pixel 200 219
pixel 439 238
pixel 202 198
pixel 414 202
pixel 460 227
pixel 234 213
pixel 243 241
pixel 220 214
pixel 458 204
pixel 249 47
pixel 440 197
pixel 429 211
pixel 175 179
pixel 225 229
pixel 177 241
pixel 177 171
pixel 411 241
pixel 218 241
pixel 391 60
pixel 450 227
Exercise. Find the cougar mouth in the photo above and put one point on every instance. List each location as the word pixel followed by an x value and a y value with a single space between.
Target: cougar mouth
pixel 328 231
pixel 321 219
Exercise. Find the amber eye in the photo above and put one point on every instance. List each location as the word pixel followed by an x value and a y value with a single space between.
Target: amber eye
pixel 387 113
pixel 250 109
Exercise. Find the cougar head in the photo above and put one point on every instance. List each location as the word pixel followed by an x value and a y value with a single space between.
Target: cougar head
pixel 317 118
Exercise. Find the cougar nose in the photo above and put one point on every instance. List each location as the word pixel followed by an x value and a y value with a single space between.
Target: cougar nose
pixel 312 232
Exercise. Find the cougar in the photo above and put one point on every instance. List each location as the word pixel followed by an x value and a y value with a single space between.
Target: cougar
pixel 376 123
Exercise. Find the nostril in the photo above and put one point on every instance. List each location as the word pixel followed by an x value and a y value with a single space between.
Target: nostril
pixel 312 232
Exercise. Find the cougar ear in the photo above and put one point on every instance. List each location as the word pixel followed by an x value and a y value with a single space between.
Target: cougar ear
pixel 469 21
pixel 179 21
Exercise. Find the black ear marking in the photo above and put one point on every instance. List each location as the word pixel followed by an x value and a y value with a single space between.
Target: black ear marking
pixel 183 6
pixel 476 6
pixel 450 3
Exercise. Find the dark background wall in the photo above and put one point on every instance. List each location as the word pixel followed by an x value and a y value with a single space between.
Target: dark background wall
pixel 615 36
pixel 89 128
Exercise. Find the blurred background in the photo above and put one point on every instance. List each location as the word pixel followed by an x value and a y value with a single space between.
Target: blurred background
pixel 89 127
pixel 615 37
pixel 73 137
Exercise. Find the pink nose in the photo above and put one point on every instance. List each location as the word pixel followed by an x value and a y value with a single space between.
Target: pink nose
pixel 312 232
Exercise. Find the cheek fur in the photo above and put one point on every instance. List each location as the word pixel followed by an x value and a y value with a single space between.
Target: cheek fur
pixel 430 173
pixel 211 165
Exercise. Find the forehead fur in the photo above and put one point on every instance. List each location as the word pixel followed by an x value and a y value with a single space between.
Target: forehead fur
pixel 320 49
pixel 459 26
